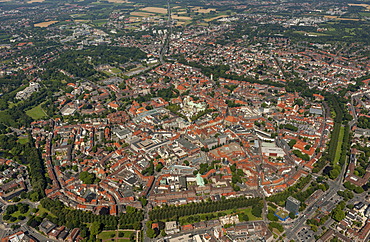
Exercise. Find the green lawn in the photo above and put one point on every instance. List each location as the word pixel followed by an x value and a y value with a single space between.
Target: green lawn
pixel 18 213
pixel 366 14
pixel 44 210
pixel 248 211
pixel 107 73
pixel 338 151
pixel 115 70
pixel 127 234
pixel 36 112
pixel 23 140
pixel 282 214
pixel 107 235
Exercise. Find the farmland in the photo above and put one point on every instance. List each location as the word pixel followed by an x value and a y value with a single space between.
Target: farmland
pixel 45 24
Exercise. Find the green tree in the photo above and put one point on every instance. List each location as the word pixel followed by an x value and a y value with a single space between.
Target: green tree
pixel 291 215
pixel 150 233
pixel 95 228
pixel 87 178
pixel 338 214
pixel 159 167
pixel 292 142
pixel 257 210
pixel 272 217
pixel 23 208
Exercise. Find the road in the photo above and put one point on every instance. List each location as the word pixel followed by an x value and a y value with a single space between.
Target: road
pixel 298 224
pixel 354 115
pixel 6 230
pixel 146 215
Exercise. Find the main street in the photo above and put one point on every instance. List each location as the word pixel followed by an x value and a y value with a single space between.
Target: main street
pixel 354 115
pixel 334 187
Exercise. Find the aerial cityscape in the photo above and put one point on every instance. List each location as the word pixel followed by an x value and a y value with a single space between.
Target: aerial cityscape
pixel 182 121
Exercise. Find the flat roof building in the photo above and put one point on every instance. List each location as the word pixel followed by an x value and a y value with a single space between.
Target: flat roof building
pixel 292 205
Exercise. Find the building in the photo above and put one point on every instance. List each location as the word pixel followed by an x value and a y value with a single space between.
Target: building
pixel 182 238
pixel 27 92
pixel 46 226
pixel 171 227
pixel 19 236
pixel 292 205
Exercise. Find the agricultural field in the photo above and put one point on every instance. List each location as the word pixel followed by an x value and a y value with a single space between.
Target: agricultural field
pixel 141 14
pixel 203 10
pixel 338 18
pixel 181 17
pixel 214 18
pixel 45 24
pixel 100 22
pixel 118 1
pixel 367 6
pixel 154 10
pixel 36 1
pixel 81 21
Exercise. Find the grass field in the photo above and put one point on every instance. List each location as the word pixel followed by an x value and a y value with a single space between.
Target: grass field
pixel 100 22
pixel 214 18
pixel 23 140
pixel 365 14
pixel 118 1
pixel 115 70
pixel 45 24
pixel 81 20
pixel 338 151
pixel 42 210
pixel 36 112
pixel 114 235
pixel 16 214
pixel 203 10
pixel 248 211
pixel 107 235
pixel 127 234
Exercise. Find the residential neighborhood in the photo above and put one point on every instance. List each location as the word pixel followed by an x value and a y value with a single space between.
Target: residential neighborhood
pixel 184 121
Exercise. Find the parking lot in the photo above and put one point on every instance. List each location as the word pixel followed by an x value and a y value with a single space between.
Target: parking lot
pixel 306 235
